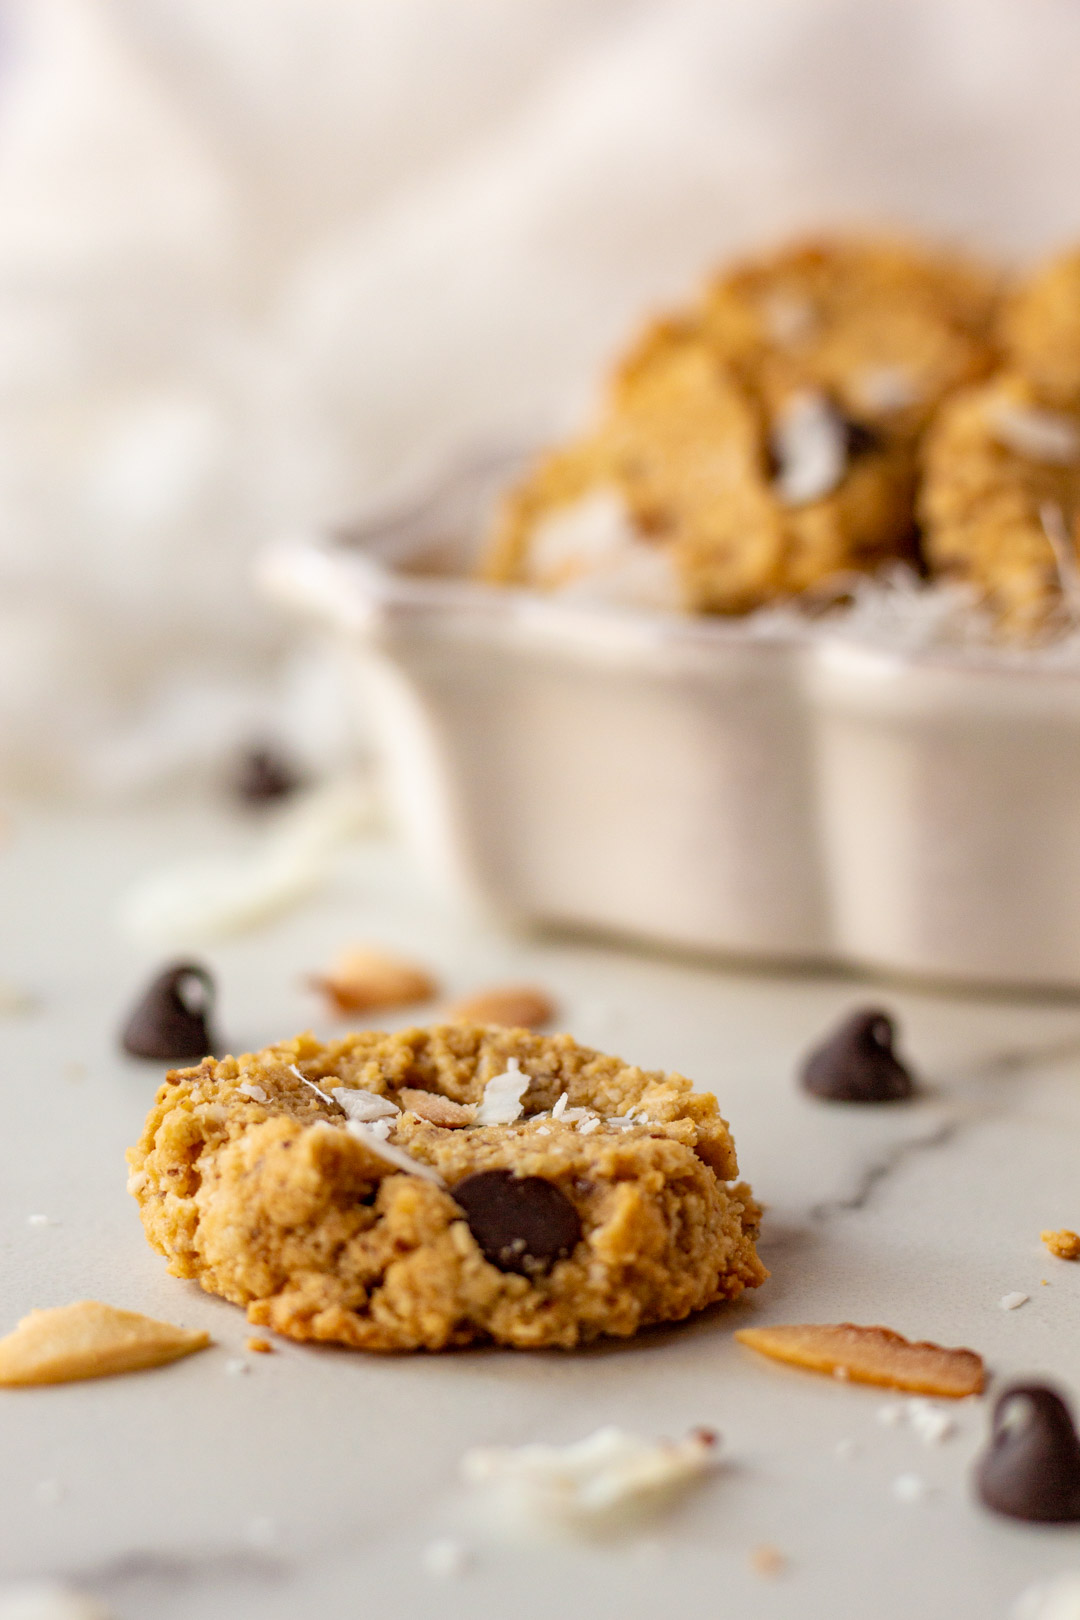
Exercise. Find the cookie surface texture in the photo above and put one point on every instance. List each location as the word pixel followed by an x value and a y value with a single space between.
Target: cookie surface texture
pixel 609 1204
pixel 763 442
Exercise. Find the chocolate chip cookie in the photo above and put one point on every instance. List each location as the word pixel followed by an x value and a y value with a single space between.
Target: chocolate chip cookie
pixel 762 443
pixel 1000 501
pixel 441 1186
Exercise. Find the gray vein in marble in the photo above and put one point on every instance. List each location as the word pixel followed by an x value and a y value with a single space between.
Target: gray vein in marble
pixel 990 1072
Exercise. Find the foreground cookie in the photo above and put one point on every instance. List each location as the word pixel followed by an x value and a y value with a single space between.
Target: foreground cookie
pixel 760 444
pixel 440 1186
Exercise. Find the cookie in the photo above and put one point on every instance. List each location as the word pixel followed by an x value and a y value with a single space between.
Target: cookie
pixel 1040 331
pixel 443 1186
pixel 1000 500
pixel 762 444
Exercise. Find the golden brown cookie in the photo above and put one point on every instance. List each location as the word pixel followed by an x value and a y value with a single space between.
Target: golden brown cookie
pixel 561 1195
pixel 1040 331
pixel 1000 501
pixel 762 444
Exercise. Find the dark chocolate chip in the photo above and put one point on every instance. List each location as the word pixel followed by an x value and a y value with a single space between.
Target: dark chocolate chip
pixel 1031 1468
pixel 263 774
pixel 857 1062
pixel 522 1223
pixel 860 439
pixel 172 1020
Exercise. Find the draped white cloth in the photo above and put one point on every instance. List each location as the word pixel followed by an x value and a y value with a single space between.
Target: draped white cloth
pixel 259 257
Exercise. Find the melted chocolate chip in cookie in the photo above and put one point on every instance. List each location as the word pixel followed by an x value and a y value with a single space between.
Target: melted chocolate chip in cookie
pixel 857 1063
pixel 172 1020
pixel 1031 1468
pixel 521 1223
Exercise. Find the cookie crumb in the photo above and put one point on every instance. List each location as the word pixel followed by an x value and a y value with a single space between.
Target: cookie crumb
pixel 767 1561
pixel 1012 1302
pixel 445 1558
pixel 261 1347
pixel 368 980
pixel 517 1006
pixel 89 1340
pixel 14 1001
pixel 1065 1244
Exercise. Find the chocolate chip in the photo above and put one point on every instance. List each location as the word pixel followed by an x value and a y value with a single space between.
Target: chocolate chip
pixel 861 440
pixel 1031 1468
pixel 857 1062
pixel 522 1223
pixel 171 1021
pixel 263 775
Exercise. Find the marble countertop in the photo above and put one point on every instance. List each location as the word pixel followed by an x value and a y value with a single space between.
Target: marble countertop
pixel 311 1483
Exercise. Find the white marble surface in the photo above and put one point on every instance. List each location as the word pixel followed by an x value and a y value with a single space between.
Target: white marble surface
pixel 311 1484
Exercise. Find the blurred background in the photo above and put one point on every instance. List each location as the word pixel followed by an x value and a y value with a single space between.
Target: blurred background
pixel 262 261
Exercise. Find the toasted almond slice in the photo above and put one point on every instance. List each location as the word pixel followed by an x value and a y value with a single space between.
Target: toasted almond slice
pixel 1065 1244
pixel 871 1355
pixel 515 1006
pixel 437 1110
pixel 364 980
pixel 89 1340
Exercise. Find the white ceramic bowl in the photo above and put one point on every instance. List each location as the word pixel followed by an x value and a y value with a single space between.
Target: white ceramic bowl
pixel 794 796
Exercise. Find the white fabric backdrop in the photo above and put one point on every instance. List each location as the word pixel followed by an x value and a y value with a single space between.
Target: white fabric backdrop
pixel 258 257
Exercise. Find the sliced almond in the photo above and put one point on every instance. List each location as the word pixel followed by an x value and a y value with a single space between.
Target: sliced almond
pixel 871 1355
pixel 89 1340
pixel 515 1006
pixel 435 1109
pixel 1065 1244
pixel 364 980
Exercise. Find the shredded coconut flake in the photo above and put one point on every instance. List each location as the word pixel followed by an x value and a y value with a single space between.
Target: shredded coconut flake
pixel 591 551
pixel 587 1126
pixel 909 1488
pixel 40 1220
pixel 559 1109
pixel 445 1558
pixel 1038 435
pixel 373 1138
pixel 930 1423
pixel 887 388
pixel 502 1103
pixel 810 446
pixel 1012 1302
pixel 237 1366
pixel 610 1472
pixel 256 1093
pixel 1058 1599
pixel 46 1600
pixel 846 1450
pixel 364 1106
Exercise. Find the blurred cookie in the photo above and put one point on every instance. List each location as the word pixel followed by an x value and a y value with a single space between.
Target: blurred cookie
pixel 1040 331
pixel 1000 499
pixel 763 444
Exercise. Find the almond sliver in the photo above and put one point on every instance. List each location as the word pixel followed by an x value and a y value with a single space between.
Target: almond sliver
pixel 89 1340
pixel 366 980
pixel 871 1355
pixel 514 1006
pixel 435 1108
